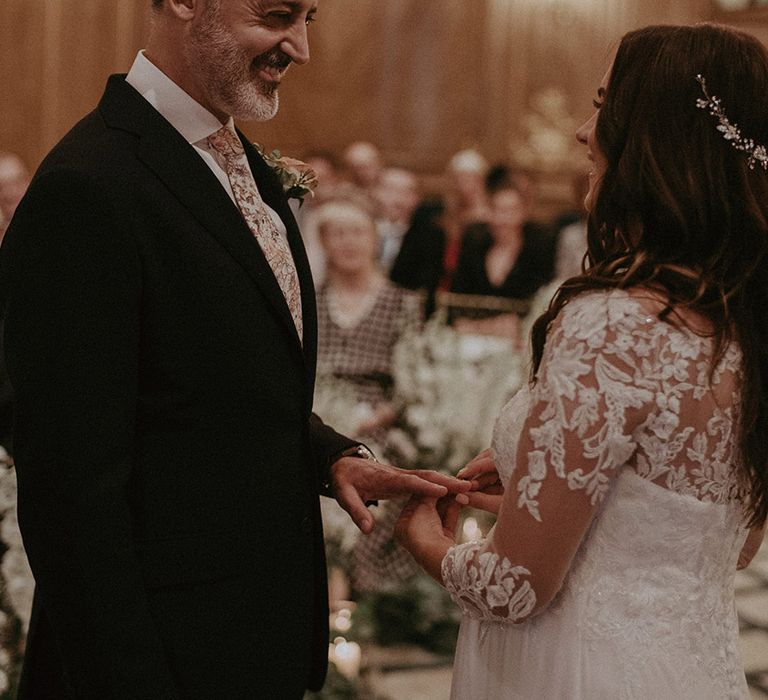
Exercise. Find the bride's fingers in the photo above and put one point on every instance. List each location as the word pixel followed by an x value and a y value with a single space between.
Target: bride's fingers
pixel 484 501
pixel 479 465
pixel 486 481
pixel 485 454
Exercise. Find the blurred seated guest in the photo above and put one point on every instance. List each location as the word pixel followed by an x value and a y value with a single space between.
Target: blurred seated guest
pixel 326 169
pixel 466 196
pixel 572 237
pixel 507 257
pixel 361 314
pixel 420 263
pixel 362 165
pixel 330 185
pixel 430 249
pixel 14 179
pixel 397 194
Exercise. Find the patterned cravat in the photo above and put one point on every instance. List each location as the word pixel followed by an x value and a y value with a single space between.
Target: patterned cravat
pixel 252 206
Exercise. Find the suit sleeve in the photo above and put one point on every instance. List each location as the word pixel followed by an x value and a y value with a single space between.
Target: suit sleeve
pixel 326 445
pixel 73 286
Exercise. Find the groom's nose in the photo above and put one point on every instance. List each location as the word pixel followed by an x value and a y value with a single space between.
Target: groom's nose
pixel 295 44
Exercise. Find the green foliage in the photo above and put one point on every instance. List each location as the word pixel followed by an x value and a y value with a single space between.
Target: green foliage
pixel 420 613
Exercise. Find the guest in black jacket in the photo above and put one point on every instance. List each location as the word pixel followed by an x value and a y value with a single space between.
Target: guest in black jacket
pixel 431 245
pixel 508 257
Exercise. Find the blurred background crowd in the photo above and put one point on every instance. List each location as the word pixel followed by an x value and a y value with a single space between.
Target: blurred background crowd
pixel 449 206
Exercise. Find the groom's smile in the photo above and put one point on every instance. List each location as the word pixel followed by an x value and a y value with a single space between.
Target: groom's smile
pixel 270 68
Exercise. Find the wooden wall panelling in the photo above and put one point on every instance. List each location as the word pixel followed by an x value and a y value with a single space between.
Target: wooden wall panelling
pixel 421 78
pixel 22 46
pixel 55 57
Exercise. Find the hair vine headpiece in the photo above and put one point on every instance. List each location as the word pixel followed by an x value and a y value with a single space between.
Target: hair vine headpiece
pixel 731 132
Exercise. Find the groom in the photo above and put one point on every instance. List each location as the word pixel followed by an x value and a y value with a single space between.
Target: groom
pixel 160 338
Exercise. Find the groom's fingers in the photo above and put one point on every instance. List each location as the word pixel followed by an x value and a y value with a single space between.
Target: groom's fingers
pixel 350 500
pixel 451 483
pixel 408 482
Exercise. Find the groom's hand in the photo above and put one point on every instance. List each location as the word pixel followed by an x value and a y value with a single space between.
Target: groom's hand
pixel 356 481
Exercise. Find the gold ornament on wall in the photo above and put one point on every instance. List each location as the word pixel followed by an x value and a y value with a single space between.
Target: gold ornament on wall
pixel 548 143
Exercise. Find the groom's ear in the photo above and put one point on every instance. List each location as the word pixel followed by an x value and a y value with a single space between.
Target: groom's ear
pixel 184 10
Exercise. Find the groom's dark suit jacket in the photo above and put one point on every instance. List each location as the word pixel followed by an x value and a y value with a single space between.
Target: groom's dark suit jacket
pixel 168 462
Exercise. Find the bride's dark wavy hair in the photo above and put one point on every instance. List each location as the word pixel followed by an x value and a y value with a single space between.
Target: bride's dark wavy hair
pixel 679 210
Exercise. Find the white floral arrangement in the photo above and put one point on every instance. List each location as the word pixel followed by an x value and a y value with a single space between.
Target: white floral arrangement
pixel 17 576
pixel 451 387
pixel 337 404
pixel 18 583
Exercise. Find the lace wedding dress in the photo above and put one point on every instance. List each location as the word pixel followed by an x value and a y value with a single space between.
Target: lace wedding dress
pixel 610 573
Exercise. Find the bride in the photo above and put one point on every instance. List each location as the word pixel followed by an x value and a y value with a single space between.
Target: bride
pixel 635 467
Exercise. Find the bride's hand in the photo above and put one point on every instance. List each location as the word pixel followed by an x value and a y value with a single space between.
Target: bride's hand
pixel 489 491
pixel 427 529
pixel 478 466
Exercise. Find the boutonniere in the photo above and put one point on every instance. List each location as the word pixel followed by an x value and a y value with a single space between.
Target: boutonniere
pixel 297 178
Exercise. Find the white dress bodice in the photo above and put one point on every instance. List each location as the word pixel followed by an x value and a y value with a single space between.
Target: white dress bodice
pixel 646 609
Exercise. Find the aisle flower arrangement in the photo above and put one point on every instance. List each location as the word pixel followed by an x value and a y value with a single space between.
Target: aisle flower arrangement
pixel 448 390
pixel 451 388
pixel 17 584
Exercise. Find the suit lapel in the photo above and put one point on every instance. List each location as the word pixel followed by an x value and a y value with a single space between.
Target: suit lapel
pixel 167 154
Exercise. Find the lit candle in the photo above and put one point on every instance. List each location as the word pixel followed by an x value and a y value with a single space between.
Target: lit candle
pixel 346 656
pixel 343 620
pixel 471 531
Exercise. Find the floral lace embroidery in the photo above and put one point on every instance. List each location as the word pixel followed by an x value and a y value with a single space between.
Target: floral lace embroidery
pixel 607 359
pixel 486 586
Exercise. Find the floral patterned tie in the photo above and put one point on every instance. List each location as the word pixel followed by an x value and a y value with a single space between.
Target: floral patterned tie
pixel 252 206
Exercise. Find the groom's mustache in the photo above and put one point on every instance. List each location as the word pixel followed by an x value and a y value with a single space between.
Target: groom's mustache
pixel 274 58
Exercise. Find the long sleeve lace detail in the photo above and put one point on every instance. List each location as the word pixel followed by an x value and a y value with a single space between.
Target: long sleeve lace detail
pixel 486 586
pixel 618 391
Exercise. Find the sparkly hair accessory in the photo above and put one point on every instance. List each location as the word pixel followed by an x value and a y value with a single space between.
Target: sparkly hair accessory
pixel 731 132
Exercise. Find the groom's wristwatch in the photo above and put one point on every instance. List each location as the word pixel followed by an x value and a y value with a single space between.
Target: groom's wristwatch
pixel 359 451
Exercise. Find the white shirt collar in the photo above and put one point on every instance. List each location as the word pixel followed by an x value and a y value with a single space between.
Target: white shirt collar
pixel 193 121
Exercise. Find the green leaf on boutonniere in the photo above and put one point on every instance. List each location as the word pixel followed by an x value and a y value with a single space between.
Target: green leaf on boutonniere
pixel 297 178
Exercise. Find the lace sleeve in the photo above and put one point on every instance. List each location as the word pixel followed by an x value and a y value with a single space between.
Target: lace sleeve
pixel 592 393
pixel 484 585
